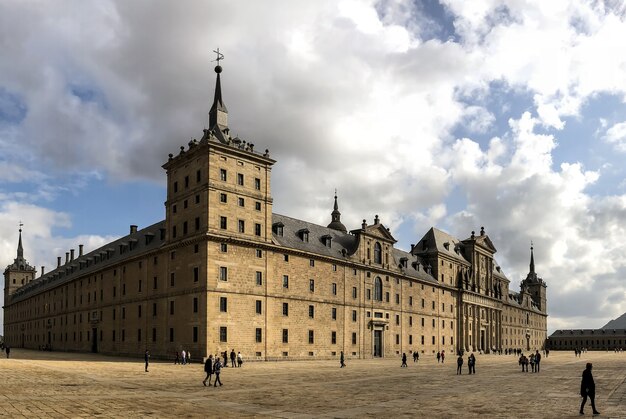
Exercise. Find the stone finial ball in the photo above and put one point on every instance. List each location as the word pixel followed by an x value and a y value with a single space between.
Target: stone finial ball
pixel 218 69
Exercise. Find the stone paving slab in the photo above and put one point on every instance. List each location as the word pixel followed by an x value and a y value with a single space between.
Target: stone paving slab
pixel 37 384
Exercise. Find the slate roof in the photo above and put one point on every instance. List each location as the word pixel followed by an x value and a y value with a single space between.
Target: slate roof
pixel 291 239
pixel 435 240
pixel 85 264
pixel 411 268
pixel 588 332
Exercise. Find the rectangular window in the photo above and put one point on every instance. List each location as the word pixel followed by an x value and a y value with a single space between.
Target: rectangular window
pixel 223 334
pixel 154 335
pixel 241 226
pixel 422 322
pixel 257 206
pixel 195 304
pixel 333 313
pixel 171 334
pixel 223 273
pixel 259 253
pixel 333 338
pixel 312 312
pixel 172 307
pixel 311 263
pixel 410 339
pixel 175 186
pixel 172 279
pixel 434 323
pixel 311 337
pixel 443 306
pixel 223 223
pixel 285 281
pixel 353 315
pixel 259 278
pixel 223 304
pixel 223 198
pixel 433 340
pixel 195 334
pixel 353 338
pixel 397 339
pixel 198 176
pixel 138 335
pixel 258 306
pixel 397 319
pixel 197 223
pixel 139 288
pixel 241 202
pixel 196 274
pixel 257 229
pixel 257 183
pixel 258 335
pixel 154 309
pixel 354 292
pixel 123 314
pixel 433 305
pixel 286 258
pixel 423 303
pixel 139 311
pixel 285 335
pixel 285 309
pixel 223 247
pixel 410 320
pixel 312 285
pixel 239 179
pixel 223 175
pixel 410 301
pixel 368 294
pixel 334 288
pixel 174 232
pixel 197 199
pixel 186 181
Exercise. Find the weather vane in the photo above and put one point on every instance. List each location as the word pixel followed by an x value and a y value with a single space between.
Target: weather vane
pixel 21 225
pixel 220 56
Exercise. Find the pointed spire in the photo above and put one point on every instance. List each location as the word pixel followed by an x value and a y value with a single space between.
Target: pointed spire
pixel 532 259
pixel 336 223
pixel 20 249
pixel 218 115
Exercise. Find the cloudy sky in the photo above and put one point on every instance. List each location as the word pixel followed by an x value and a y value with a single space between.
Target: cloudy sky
pixel 455 114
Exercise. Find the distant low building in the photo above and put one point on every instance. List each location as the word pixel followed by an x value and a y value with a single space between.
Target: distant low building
pixel 611 336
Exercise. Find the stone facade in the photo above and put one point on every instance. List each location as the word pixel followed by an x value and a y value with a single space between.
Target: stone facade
pixel 223 271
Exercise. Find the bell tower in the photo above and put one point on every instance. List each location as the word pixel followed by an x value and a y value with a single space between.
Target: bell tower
pixel 535 286
pixel 17 274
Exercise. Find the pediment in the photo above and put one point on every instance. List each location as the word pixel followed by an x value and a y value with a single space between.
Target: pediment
pixel 485 242
pixel 380 231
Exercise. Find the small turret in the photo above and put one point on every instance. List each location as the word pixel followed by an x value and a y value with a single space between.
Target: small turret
pixel 336 223
pixel 18 273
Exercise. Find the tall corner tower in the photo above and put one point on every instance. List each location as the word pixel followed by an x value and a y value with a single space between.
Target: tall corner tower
pixel 219 185
pixel 535 286
pixel 18 273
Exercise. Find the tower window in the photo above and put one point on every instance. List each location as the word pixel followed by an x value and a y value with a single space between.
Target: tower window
pixel 223 175
pixel 377 253
pixel 240 179
pixel 257 184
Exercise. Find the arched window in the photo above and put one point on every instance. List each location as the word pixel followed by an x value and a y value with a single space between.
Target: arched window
pixel 377 253
pixel 378 289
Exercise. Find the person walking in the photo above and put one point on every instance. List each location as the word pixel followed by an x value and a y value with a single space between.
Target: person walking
pixel 146 358
pixel 188 360
pixel 459 365
pixel 443 356
pixel 208 368
pixel 217 369
pixel 225 364
pixel 438 357
pixel 341 360
pixel 471 363
pixel 532 362
pixel 588 389
pixel 177 359
pixel 7 349
pixel 416 356
pixel 233 358
pixel 183 355
pixel 239 359
pixel 403 360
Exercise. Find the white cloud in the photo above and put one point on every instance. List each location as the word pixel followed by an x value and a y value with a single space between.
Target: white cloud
pixel 616 135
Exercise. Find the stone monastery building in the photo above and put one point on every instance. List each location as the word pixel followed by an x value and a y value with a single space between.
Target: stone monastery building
pixel 223 271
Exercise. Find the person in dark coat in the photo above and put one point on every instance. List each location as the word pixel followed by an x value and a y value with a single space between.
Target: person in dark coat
pixel 588 389
pixel 416 356
pixel 471 363
pixel 146 358
pixel 341 360
pixel 459 365
pixel 208 368
pixel 217 369
pixel 233 358
pixel 537 360
pixel 404 360
pixel 7 349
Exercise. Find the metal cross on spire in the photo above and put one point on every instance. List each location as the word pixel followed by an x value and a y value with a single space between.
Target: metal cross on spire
pixel 220 56
pixel 21 225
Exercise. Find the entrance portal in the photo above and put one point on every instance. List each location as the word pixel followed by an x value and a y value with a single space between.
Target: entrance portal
pixel 378 343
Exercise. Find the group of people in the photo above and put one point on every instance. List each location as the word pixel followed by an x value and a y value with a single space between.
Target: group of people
pixel 471 364
pixel 441 356
pixel 214 365
pixel 534 359
pixel 183 358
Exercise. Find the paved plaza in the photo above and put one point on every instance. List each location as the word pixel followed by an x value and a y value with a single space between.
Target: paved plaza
pixel 50 384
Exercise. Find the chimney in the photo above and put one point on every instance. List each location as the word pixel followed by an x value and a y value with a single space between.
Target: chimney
pixel 133 229
pixel 412 248
pixel 80 250
pixel 58 261
pixel 43 270
pixel 71 254
pixel 67 257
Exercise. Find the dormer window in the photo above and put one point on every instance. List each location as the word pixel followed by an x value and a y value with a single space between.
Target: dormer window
pixel 278 228
pixel 304 234
pixel 327 240
pixel 404 262
pixel 447 245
